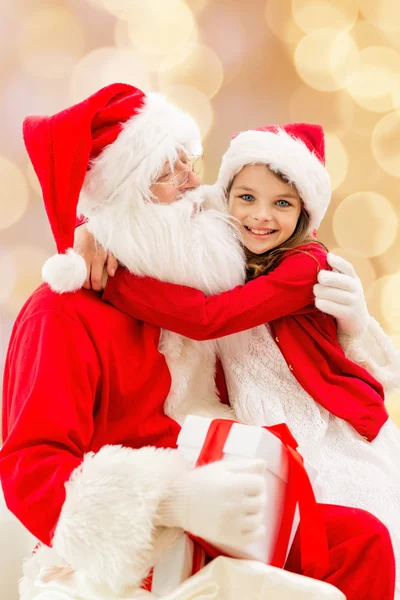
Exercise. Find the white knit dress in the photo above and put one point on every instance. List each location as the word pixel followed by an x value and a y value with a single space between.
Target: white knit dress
pixel 351 471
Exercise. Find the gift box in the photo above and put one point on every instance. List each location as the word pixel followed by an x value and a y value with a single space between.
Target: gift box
pixel 289 491
pixel 184 559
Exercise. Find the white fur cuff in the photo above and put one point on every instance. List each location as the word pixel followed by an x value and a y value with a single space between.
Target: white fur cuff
pixel 374 350
pixel 106 525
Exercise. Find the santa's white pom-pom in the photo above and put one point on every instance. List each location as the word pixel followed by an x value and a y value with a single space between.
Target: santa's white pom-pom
pixel 65 272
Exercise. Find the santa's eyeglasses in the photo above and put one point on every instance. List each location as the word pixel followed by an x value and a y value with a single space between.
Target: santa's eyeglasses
pixel 194 165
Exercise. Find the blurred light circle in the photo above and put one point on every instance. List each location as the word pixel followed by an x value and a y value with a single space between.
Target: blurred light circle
pixel 341 14
pixel 8 274
pixel 201 69
pixel 333 109
pixel 396 340
pixel 194 102
pixel 33 180
pixel 362 265
pixel 383 13
pixel 14 193
pixel 50 42
pixel 104 66
pixel 279 18
pixel 392 403
pixel 124 9
pixel 386 143
pixel 376 78
pixel 326 59
pixel 27 263
pixel 365 222
pixel 373 297
pixel 162 27
pixel 336 160
pixel 390 301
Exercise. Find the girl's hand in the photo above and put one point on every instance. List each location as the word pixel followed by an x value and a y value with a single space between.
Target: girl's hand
pixel 97 260
pixel 340 293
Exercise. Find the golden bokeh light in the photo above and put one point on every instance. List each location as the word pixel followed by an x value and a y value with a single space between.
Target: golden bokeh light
pixel 162 26
pixel 14 193
pixel 334 110
pixel 393 406
pixel 27 262
pixel 340 14
pixel 373 296
pixel 280 21
pixel 396 340
pixel 386 143
pixel 376 79
pixel 125 9
pixel 51 40
pixel 336 159
pixel 365 222
pixel 8 274
pixel 390 304
pixel 383 13
pixel 200 69
pixel 104 66
pixel 326 59
pixel 192 101
pixel 33 180
pixel 363 266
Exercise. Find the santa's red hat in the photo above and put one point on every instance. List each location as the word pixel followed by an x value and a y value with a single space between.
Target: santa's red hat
pixel 296 150
pixel 117 137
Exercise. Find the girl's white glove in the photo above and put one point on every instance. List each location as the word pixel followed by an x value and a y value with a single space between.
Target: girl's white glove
pixel 340 293
pixel 223 502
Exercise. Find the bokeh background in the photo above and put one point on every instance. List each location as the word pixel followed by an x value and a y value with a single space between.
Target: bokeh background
pixel 233 64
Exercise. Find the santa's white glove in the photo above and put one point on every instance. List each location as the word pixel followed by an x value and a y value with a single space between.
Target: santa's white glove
pixel 340 293
pixel 223 502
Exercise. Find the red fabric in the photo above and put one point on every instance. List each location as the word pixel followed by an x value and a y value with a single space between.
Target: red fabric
pixel 314 550
pixel 79 375
pixel 311 135
pixel 61 146
pixel 306 337
pixel 361 558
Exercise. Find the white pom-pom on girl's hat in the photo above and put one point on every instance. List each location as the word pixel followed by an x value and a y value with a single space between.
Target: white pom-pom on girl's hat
pixel 296 150
pixel 117 137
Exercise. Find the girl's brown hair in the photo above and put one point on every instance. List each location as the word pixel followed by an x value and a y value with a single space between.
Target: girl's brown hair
pixel 262 264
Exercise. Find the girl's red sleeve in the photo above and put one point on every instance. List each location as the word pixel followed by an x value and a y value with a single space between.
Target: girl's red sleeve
pixel 186 311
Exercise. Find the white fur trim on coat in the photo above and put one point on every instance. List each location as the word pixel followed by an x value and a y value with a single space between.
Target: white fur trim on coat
pixel 374 350
pixel 132 163
pixel 65 272
pixel 284 154
pixel 106 525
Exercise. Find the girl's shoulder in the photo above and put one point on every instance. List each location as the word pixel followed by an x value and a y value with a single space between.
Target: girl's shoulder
pixel 311 252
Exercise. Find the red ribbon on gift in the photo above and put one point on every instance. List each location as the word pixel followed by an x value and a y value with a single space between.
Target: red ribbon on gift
pixel 313 539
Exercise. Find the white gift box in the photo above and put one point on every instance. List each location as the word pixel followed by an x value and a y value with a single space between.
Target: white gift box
pixel 246 441
pixel 175 567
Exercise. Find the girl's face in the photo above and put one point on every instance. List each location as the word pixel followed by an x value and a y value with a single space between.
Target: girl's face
pixel 266 207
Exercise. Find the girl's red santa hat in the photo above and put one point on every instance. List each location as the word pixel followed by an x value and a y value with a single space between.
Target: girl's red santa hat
pixel 296 151
pixel 116 140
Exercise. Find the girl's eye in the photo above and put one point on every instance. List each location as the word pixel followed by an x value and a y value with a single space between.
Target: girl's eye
pixel 283 203
pixel 247 197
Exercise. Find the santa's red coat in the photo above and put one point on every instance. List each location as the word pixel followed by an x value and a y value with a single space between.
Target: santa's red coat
pixel 79 374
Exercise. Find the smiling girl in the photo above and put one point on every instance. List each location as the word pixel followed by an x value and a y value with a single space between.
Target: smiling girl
pixel 290 367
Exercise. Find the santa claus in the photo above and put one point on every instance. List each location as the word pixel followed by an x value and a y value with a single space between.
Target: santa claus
pixel 94 398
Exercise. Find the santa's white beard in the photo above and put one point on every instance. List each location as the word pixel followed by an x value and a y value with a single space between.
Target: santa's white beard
pixel 178 243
